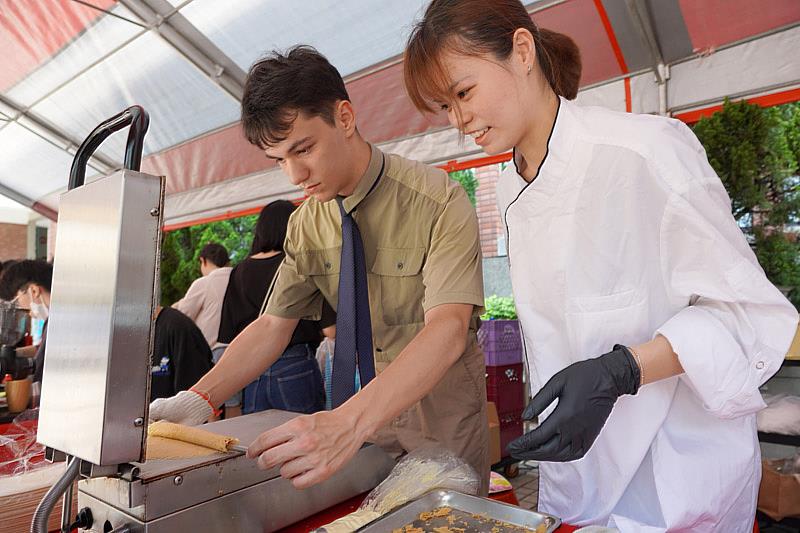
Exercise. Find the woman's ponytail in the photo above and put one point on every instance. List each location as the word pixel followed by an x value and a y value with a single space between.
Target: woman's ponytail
pixel 560 61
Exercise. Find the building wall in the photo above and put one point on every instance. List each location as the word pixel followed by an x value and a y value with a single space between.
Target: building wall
pixel 496 277
pixel 13 241
pixel 491 226
pixel 51 240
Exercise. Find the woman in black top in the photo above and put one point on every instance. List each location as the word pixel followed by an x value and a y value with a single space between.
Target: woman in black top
pixel 294 382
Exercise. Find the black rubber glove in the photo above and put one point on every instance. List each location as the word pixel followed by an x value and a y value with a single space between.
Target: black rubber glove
pixel 586 392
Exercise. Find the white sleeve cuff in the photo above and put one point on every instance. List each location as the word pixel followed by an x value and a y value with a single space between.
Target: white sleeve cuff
pixel 715 366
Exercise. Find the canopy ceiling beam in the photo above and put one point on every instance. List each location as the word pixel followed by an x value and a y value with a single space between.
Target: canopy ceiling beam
pixel 50 132
pixel 184 37
pixel 27 202
pixel 643 23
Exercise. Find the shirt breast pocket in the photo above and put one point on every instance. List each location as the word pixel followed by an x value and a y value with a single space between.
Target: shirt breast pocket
pixel 596 323
pixel 402 290
pixel 322 266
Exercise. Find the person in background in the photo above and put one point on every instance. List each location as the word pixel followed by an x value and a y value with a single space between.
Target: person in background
pixel 181 354
pixel 28 283
pixel 203 301
pixel 646 317
pixel 294 382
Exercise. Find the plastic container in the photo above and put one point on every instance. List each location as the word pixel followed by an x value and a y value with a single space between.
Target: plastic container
pixel 504 387
pixel 510 429
pixel 501 342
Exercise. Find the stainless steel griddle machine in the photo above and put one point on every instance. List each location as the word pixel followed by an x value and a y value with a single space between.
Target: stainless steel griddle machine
pixel 96 382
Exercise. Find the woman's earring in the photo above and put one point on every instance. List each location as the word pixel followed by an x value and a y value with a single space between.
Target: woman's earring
pixel 529 69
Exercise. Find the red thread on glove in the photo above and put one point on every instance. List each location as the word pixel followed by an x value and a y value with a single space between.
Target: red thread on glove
pixel 207 398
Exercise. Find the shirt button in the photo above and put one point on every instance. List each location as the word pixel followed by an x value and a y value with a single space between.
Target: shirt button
pixel 327 265
pixel 760 365
pixel 400 266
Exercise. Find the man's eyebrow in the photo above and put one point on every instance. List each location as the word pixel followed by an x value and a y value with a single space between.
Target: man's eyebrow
pixel 297 144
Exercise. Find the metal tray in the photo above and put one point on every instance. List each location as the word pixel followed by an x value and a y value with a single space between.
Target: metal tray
pixel 470 504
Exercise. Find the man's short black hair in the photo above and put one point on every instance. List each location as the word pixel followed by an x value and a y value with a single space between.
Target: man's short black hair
pixel 216 253
pixel 20 274
pixel 280 86
pixel 271 227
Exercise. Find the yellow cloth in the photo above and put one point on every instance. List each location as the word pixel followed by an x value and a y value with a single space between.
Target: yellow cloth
pixel 794 349
pixel 166 440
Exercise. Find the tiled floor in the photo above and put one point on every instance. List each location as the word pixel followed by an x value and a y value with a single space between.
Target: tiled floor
pixel 526 485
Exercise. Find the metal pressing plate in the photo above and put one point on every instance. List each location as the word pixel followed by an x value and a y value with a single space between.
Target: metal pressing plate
pixel 95 389
pixel 477 513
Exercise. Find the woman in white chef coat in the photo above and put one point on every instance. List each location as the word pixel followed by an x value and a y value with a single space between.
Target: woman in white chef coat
pixel 644 311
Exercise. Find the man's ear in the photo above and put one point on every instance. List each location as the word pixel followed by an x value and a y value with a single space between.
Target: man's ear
pixel 36 291
pixel 345 116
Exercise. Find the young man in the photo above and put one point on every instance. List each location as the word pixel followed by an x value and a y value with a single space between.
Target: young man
pixel 203 301
pixel 412 233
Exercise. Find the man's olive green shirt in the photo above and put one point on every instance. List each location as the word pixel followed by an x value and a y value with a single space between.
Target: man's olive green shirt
pixel 422 249
pixel 421 245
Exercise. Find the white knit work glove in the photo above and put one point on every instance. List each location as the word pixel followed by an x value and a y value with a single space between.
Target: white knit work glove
pixel 187 407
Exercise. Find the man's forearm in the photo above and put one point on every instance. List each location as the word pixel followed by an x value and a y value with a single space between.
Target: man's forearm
pixel 415 372
pixel 252 351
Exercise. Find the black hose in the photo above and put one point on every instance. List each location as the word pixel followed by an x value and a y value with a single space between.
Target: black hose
pixel 42 514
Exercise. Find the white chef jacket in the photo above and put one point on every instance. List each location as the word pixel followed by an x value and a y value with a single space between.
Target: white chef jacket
pixel 627 232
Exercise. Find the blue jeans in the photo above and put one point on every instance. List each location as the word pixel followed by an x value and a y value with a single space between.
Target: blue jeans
pixel 293 383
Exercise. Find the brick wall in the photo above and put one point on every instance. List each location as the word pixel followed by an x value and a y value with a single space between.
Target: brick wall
pixel 13 241
pixel 491 226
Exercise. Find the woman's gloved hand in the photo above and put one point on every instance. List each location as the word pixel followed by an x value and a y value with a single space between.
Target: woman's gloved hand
pixel 188 407
pixel 586 392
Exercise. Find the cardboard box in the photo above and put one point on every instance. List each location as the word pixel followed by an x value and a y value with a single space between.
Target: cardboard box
pixel 20 495
pixel 779 494
pixel 494 433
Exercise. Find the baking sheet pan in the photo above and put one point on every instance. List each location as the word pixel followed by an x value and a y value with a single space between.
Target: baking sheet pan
pixel 473 505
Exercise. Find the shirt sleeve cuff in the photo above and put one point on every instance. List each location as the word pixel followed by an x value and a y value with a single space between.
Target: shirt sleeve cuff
pixel 715 366
pixel 300 313
pixel 452 298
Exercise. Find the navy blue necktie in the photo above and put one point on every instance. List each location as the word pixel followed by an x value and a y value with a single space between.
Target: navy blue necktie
pixel 353 348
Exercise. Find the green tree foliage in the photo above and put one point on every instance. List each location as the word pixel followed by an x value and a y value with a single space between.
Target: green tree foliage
pixel 755 152
pixel 180 252
pixel 468 181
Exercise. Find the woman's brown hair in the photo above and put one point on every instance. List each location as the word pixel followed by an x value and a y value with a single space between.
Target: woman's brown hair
pixel 478 27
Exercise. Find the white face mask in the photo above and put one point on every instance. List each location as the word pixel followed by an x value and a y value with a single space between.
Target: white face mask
pixel 38 309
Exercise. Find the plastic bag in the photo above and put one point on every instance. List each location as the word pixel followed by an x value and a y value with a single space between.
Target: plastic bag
pixel 420 472
pixel 782 415
pixel 325 361
pixel 788 466
pixel 414 475
pixel 19 451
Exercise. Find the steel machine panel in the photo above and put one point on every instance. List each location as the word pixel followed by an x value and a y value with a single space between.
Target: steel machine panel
pixel 95 387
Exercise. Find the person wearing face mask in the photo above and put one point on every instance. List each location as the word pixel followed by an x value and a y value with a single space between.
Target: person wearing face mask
pixel 648 324
pixel 28 284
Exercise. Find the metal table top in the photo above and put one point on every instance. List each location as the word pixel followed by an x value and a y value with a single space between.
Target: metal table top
pixel 245 428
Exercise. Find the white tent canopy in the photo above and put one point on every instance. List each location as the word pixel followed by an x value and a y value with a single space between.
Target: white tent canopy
pixel 70 64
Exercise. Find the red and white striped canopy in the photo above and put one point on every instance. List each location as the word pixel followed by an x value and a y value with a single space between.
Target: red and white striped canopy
pixel 69 64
